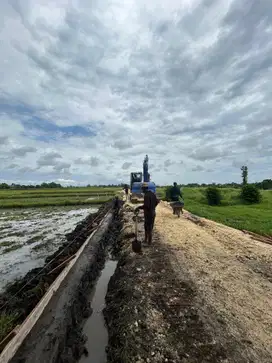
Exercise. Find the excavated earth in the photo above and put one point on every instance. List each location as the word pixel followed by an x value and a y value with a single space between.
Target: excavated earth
pixel 200 293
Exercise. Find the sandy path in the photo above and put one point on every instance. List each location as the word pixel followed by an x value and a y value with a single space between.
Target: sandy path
pixel 233 278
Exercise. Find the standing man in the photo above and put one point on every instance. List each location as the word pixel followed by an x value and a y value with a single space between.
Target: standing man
pixel 176 199
pixel 149 207
pixel 175 193
pixel 126 191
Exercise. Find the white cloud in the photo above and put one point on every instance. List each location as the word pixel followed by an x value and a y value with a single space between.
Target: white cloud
pixel 126 165
pixel 180 80
pixel 23 150
pixel 198 168
pixel 48 159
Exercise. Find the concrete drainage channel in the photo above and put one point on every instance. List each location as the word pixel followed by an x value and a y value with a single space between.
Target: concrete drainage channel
pixel 71 327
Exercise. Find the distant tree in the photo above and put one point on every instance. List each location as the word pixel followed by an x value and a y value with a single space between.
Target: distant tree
pixel 250 194
pixel 4 186
pixel 213 195
pixel 244 170
pixel 267 184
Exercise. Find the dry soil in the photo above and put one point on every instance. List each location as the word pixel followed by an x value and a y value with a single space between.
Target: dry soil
pixel 200 293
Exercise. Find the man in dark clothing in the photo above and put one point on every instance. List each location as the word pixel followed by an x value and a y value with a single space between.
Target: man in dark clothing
pixel 176 199
pixel 149 207
pixel 126 191
pixel 175 193
pixel 117 206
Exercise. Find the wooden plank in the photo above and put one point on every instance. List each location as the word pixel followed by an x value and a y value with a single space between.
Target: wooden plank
pixel 62 264
pixel 25 328
pixel 8 338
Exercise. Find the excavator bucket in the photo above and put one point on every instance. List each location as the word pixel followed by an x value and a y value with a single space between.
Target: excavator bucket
pixel 136 198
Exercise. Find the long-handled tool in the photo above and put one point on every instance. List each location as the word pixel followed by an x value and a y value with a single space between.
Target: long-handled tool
pixel 136 244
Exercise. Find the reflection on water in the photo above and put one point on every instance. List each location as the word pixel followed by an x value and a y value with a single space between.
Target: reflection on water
pixel 94 327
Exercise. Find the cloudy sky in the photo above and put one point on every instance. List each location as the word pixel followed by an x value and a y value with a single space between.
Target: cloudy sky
pixel 87 88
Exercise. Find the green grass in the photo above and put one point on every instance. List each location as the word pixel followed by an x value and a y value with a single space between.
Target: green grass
pixel 91 190
pixel 55 197
pixel 6 243
pixel 7 323
pixel 44 202
pixel 255 218
pixel 13 247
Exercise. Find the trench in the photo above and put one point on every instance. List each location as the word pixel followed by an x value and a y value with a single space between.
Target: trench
pixel 73 321
pixel 94 328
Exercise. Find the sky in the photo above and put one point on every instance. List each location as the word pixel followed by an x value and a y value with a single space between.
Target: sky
pixel 88 88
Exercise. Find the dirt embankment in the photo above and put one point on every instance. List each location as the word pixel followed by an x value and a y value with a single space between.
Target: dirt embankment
pixel 194 296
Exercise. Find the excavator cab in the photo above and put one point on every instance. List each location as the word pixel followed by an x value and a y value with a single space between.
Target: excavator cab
pixel 136 182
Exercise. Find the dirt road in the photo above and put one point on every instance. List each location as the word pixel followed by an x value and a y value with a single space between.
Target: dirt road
pixel 199 294
pixel 233 277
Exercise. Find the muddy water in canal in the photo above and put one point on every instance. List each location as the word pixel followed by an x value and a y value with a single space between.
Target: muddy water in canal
pixel 28 236
pixel 94 327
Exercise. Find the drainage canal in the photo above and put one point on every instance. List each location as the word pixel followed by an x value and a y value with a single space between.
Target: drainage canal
pixel 94 328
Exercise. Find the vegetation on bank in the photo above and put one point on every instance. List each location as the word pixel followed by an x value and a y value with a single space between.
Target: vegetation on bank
pixel 232 210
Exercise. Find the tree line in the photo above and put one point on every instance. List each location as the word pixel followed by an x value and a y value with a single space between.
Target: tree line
pixel 30 186
pixel 266 184
pixel 51 185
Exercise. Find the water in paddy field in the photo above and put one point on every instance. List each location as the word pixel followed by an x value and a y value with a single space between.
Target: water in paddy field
pixel 28 236
pixel 94 327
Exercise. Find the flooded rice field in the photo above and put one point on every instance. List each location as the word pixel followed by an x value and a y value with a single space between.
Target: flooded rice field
pixel 28 236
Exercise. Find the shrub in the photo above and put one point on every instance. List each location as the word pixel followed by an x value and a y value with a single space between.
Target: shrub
pixel 213 196
pixel 250 194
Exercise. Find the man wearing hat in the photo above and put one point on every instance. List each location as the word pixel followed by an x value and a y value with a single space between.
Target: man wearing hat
pixel 149 207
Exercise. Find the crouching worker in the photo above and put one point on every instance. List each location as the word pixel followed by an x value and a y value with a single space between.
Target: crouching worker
pixel 149 207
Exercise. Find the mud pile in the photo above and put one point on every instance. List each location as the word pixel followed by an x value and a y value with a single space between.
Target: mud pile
pixel 21 296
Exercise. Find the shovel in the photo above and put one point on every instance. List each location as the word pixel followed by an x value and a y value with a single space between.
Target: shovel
pixel 136 245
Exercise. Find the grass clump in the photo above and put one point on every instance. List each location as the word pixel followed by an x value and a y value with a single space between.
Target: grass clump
pixel 12 248
pixel 5 243
pixel 6 324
